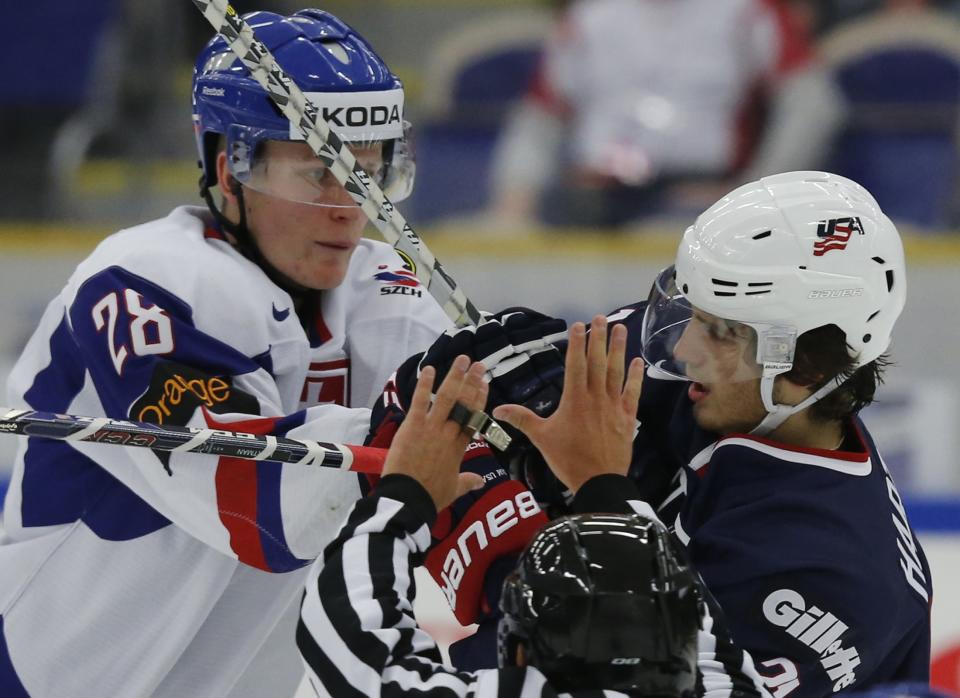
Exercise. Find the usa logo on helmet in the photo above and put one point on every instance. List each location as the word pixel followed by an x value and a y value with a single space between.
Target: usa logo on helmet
pixel 835 233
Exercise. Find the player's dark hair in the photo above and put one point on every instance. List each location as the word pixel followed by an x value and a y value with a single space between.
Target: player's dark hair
pixel 823 354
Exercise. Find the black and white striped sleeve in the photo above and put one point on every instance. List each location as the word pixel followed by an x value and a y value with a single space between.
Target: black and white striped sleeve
pixel 357 633
pixel 726 670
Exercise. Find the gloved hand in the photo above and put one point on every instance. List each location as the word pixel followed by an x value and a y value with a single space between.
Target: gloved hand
pixel 478 530
pixel 385 420
pixel 527 465
pixel 517 348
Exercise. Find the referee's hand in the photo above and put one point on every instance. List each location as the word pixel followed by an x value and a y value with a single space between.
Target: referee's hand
pixel 591 433
pixel 429 445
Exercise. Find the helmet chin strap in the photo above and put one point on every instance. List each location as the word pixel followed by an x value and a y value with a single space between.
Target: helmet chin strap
pixel 778 414
pixel 245 244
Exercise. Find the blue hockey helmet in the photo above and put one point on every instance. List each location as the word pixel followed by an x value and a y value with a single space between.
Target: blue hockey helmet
pixel 354 90
pixel 604 601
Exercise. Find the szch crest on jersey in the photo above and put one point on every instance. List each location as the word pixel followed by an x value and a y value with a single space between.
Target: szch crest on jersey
pixel 403 277
pixel 834 234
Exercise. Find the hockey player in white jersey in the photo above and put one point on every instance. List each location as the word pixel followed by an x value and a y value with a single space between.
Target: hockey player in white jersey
pixel 124 573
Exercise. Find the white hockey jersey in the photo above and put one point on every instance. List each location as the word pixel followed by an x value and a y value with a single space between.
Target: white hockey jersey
pixel 656 88
pixel 126 574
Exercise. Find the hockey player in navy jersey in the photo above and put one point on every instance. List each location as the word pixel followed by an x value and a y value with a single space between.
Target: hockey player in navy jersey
pixel 777 316
pixel 763 341
pixel 126 574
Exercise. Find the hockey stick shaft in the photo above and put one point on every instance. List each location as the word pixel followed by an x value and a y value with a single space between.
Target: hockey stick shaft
pixel 327 146
pixel 175 439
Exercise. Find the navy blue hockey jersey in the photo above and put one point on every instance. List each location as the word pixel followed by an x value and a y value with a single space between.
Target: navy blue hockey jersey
pixel 809 552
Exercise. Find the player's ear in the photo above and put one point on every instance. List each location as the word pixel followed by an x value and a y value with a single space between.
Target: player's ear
pixel 787 391
pixel 229 186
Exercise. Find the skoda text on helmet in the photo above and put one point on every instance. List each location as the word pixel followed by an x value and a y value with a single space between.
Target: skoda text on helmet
pixel 588 620
pixel 353 89
pixel 783 255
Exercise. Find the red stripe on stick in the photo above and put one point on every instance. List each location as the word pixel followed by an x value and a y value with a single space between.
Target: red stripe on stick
pixel 367 459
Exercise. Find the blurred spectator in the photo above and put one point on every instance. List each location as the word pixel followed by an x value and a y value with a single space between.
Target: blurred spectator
pixel 897 78
pixel 475 75
pixel 637 97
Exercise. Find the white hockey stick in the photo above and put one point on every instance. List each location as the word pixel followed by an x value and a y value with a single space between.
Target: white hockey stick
pixel 174 439
pixel 328 147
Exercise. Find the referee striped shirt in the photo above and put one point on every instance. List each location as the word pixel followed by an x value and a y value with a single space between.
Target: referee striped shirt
pixel 359 639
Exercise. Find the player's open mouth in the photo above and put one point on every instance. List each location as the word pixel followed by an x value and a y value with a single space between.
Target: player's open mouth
pixel 697 391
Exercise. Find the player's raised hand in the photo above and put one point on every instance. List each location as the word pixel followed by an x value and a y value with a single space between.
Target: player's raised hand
pixel 429 445
pixel 591 433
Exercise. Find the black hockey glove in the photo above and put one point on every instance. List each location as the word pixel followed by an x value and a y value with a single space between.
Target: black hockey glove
pixel 527 465
pixel 517 348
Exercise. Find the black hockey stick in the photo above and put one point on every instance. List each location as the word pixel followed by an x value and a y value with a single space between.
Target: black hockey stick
pixel 327 146
pixel 217 442
pixel 175 439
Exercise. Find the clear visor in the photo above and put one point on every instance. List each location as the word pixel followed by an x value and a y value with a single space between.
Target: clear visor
pixel 687 343
pixel 289 170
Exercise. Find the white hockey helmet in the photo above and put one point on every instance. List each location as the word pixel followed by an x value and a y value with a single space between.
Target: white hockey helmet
pixel 785 255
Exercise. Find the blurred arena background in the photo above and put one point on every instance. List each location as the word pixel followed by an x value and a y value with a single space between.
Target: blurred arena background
pixel 514 189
